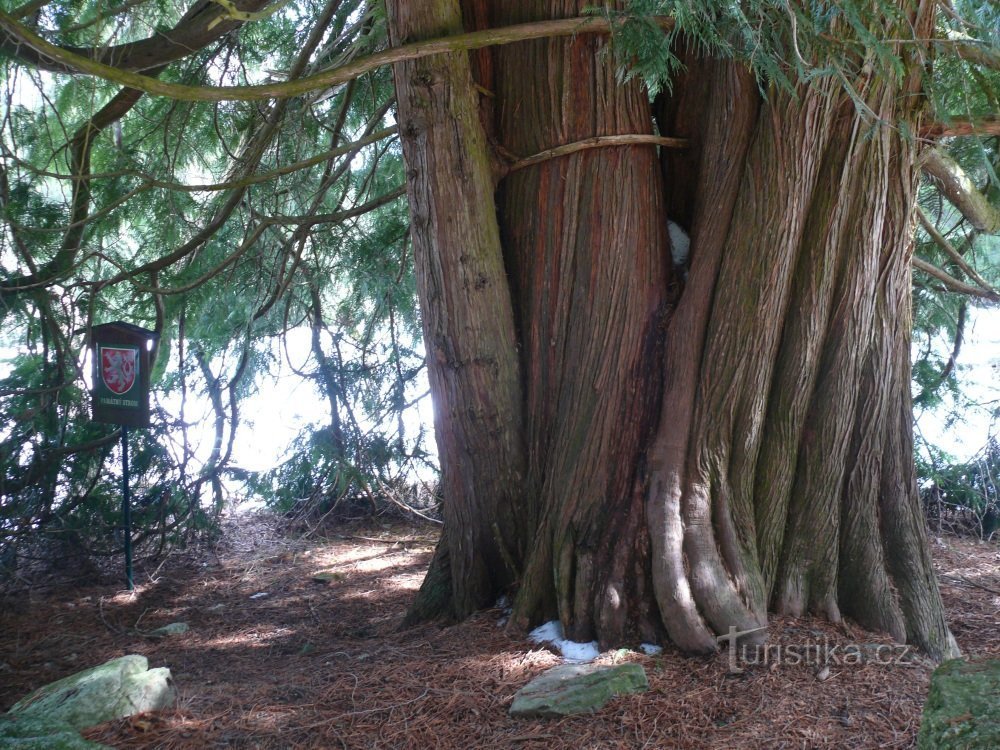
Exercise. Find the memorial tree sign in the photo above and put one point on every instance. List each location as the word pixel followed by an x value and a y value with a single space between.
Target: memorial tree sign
pixel 121 356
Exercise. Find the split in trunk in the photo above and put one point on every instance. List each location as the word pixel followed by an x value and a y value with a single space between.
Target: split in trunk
pixel 641 452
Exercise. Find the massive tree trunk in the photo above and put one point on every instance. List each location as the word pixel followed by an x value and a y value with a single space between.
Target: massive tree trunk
pixel 653 453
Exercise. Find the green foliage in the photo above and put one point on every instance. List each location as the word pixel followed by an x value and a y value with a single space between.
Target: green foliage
pixel 782 42
pixel 963 495
pixel 228 276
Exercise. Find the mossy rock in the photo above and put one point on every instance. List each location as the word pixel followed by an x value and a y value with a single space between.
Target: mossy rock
pixel 577 689
pixel 962 711
pixel 121 687
pixel 33 733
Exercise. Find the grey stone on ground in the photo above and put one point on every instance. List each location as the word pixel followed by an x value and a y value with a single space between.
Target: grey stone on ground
pixel 174 628
pixel 577 688
pixel 118 688
pixel 962 708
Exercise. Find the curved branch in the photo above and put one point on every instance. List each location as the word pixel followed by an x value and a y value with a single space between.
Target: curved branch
pixel 960 190
pixel 204 22
pixel 70 61
pixel 951 283
pixel 597 142
pixel 988 125
pixel 950 250
pixel 949 367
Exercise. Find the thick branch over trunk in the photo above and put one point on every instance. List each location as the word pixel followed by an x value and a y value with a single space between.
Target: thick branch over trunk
pixel 961 191
pixel 69 60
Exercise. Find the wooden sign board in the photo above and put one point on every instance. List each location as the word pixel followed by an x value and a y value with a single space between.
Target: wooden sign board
pixel 121 358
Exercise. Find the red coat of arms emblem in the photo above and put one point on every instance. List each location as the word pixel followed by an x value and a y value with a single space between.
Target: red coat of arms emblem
pixel 119 367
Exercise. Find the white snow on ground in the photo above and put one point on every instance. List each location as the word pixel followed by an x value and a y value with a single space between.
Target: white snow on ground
pixel 552 633
pixel 651 649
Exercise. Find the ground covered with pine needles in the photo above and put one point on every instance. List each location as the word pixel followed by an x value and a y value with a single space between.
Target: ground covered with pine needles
pixel 295 643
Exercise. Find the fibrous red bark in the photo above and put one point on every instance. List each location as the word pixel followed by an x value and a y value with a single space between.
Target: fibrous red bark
pixel 690 464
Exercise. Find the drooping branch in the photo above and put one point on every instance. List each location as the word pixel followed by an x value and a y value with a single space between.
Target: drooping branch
pixel 70 61
pixel 80 149
pixel 971 50
pixel 952 253
pixel 251 158
pixel 951 283
pixel 204 22
pixel 961 191
pixel 989 125
pixel 927 392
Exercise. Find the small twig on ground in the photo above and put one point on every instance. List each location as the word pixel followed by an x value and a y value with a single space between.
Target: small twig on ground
pixel 379 541
pixel 963 579
pixel 100 613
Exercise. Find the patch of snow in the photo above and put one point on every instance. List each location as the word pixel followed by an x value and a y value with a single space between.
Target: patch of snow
pixel 650 649
pixel 680 243
pixel 259 595
pixel 552 633
pixel 578 652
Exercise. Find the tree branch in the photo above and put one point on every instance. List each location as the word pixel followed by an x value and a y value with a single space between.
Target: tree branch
pixel 597 142
pixel 989 125
pixel 970 50
pixel 950 250
pixel 204 22
pixel 149 181
pixel 80 148
pixel 960 190
pixel 252 154
pixel 340 216
pixel 70 61
pixel 951 282
pixel 926 393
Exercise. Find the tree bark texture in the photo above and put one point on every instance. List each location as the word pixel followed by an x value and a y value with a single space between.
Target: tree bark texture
pixel 467 312
pixel 689 453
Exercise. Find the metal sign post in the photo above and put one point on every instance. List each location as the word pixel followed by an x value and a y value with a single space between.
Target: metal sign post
pixel 126 511
pixel 121 357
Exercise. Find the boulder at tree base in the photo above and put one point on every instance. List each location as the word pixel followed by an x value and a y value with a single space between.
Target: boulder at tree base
pixel 962 711
pixel 121 687
pixel 576 689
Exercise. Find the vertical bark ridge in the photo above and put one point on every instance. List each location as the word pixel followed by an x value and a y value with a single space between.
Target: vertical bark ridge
pixel 864 589
pixel 808 577
pixel 590 294
pixel 730 119
pixel 467 316
pixel 904 533
pixel 797 366
pixel 752 293
pixel 905 538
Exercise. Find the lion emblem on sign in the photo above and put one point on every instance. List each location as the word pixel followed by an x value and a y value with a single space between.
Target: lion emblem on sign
pixel 118 368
